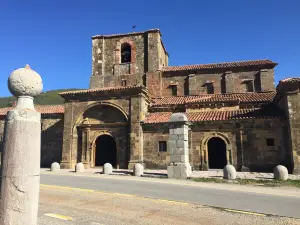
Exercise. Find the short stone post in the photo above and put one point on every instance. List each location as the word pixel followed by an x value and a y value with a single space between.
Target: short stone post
pixel 178 147
pixel 281 173
pixel 107 168
pixel 21 153
pixel 229 172
pixel 138 169
pixel 55 167
pixel 79 168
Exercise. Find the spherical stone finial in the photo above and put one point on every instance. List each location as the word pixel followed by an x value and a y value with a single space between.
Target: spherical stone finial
pixel 25 82
pixel 178 117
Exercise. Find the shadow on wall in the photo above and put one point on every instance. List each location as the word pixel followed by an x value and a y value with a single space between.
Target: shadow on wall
pixel 51 143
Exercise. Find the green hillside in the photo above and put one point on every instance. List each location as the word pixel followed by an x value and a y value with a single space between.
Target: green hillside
pixel 46 98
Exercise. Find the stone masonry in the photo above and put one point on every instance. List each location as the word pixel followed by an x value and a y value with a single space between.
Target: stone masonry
pixel 237 115
pixel 179 147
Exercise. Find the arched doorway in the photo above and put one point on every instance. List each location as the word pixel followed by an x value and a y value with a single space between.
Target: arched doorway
pixel 217 158
pixel 106 151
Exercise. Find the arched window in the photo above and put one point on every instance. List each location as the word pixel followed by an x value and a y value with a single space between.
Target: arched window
pixel 125 53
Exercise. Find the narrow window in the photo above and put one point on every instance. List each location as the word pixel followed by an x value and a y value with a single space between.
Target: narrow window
pixel 270 141
pixel 210 88
pixel 162 146
pixel 249 86
pixel 257 83
pixel 125 53
pixel 186 86
pixel 223 84
pixel 124 83
pixel 174 90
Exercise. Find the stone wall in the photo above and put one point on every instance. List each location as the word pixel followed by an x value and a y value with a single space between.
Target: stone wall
pixel 154 83
pixel 254 153
pixel 154 159
pixel 115 113
pixel 195 82
pixel 2 122
pixel 290 102
pixel 52 139
pixel 162 54
pixel 74 115
pixel 147 55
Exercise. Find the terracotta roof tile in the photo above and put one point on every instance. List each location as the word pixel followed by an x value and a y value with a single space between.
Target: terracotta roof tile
pixel 162 117
pixel 288 84
pixel 219 65
pixel 242 97
pixel 85 91
pixel 43 109
pixel 125 34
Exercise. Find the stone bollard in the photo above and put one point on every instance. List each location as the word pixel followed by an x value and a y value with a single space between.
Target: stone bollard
pixel 281 173
pixel 138 169
pixel 21 152
pixel 178 147
pixel 107 168
pixel 79 168
pixel 229 172
pixel 55 167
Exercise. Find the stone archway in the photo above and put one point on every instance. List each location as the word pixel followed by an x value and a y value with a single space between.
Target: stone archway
pixel 105 151
pixel 216 141
pixel 109 121
pixel 217 157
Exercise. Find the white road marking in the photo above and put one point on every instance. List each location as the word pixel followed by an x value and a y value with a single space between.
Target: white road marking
pixel 245 212
pixel 57 216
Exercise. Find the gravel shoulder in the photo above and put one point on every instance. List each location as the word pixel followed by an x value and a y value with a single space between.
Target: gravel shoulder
pixel 86 207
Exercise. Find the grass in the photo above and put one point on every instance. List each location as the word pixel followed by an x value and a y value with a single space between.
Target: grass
pixel 45 98
pixel 267 183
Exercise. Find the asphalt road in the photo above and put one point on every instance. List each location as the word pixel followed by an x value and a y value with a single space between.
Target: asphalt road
pixel 62 206
pixel 288 206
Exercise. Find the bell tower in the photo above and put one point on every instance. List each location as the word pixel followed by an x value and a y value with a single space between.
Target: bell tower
pixel 125 59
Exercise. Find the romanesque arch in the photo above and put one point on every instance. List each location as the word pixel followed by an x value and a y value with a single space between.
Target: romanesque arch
pixel 220 141
pixel 96 120
pixel 80 118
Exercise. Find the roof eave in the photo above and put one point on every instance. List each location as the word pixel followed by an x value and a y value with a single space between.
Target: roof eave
pixel 126 34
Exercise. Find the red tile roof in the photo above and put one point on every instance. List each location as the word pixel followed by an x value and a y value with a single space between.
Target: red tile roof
pixel 288 84
pixel 227 65
pixel 163 117
pixel 125 34
pixel 94 90
pixel 43 109
pixel 241 97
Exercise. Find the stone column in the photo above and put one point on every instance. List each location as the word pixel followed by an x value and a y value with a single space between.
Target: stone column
pixel 22 147
pixel 137 111
pixel 86 159
pixel 178 147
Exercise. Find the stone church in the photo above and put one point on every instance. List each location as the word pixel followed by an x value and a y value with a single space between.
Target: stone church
pixel 238 116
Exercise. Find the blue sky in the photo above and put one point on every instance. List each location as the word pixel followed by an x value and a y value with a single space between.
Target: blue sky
pixel 54 36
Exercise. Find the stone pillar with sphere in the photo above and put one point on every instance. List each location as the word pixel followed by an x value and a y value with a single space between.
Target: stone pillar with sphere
pixel 178 147
pixel 21 152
